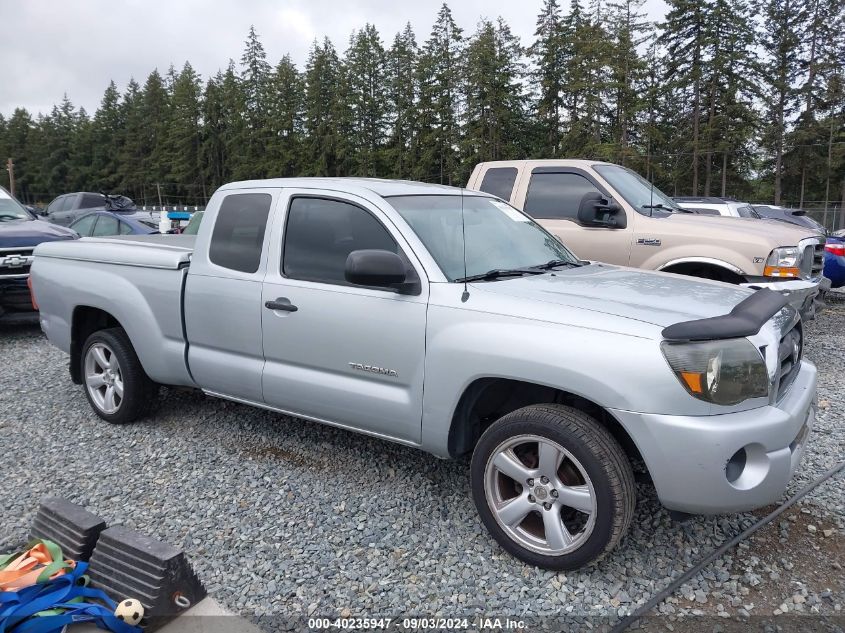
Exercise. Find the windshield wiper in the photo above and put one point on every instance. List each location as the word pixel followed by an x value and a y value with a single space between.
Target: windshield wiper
pixel 558 262
pixel 498 273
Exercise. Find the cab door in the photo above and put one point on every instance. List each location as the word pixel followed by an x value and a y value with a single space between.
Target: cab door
pixel 335 352
pixel 223 308
pixel 553 197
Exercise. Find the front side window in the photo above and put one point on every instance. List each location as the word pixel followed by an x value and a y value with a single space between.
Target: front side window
pixel 320 233
pixel 498 181
pixel 497 235
pixel 238 235
pixel 556 196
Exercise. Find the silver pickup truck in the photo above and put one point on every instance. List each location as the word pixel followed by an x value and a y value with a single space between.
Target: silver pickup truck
pixel 449 321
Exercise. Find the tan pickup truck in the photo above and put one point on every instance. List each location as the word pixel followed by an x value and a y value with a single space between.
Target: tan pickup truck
pixel 608 213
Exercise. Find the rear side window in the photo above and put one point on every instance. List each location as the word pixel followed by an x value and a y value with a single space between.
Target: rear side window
pixel 83 226
pixel 320 233
pixel 556 196
pixel 106 225
pixel 498 181
pixel 90 201
pixel 239 231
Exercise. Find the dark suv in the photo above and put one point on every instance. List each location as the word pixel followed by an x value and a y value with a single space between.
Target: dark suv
pixel 71 206
pixel 20 232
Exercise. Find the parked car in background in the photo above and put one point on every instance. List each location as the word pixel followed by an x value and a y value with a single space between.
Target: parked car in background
pixel 71 206
pixel 834 261
pixel 605 212
pixel 798 217
pixel 103 223
pixel 20 232
pixel 449 321
pixel 706 205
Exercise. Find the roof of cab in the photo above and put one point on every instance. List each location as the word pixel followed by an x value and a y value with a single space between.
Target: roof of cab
pixel 379 186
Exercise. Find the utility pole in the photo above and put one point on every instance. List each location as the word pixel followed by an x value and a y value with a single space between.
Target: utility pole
pixel 158 188
pixel 10 167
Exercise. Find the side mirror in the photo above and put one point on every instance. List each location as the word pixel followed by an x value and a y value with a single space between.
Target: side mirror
pixel 596 210
pixel 380 269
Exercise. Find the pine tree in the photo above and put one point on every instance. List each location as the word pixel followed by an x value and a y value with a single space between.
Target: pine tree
pixel 440 105
pixel 686 36
pixel 255 78
pixel 627 23
pixel 107 132
pixel 402 151
pixel 495 122
pixel 18 147
pixel 184 135
pixel 215 124
pixel 285 99
pixel 781 41
pixel 322 83
pixel 548 54
pixel 130 157
pixel 367 90
pixel 155 112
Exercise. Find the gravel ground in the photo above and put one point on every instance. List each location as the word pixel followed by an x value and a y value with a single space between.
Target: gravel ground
pixel 283 518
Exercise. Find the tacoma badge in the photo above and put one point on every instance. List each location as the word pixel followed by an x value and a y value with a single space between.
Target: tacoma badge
pixel 376 370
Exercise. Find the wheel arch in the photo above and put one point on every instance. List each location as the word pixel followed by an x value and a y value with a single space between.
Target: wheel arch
pixel 711 268
pixel 485 400
pixel 85 321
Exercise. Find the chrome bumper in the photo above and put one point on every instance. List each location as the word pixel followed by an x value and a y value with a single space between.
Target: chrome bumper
pixel 805 295
pixel 730 462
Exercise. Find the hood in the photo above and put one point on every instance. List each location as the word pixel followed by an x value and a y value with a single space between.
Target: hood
pixel 21 233
pixel 777 234
pixel 661 299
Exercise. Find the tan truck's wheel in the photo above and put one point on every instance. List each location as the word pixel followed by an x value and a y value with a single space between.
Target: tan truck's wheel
pixel 552 486
pixel 116 385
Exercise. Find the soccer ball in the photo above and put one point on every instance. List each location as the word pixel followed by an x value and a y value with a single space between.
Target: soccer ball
pixel 130 611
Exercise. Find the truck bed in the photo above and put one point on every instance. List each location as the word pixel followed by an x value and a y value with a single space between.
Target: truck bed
pixel 138 280
pixel 150 251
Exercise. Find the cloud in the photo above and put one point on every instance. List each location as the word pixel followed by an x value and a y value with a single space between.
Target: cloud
pixel 76 47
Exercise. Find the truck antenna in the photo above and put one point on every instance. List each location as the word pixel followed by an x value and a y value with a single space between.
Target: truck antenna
pixel 465 294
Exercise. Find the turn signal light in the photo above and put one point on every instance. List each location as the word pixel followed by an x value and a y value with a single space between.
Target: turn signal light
pixel 31 294
pixel 781 271
pixel 693 381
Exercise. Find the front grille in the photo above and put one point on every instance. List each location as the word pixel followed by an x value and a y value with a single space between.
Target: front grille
pixel 15 261
pixel 818 259
pixel 790 350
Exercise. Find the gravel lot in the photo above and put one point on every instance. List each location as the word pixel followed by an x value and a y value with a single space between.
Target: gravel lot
pixel 287 518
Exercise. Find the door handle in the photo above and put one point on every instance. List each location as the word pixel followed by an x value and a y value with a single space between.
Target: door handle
pixel 282 303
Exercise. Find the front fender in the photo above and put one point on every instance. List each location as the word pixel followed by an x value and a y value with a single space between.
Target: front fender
pixel 613 370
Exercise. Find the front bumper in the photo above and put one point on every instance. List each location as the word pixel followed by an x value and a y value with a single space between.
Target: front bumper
pixel 690 460
pixel 805 295
pixel 15 300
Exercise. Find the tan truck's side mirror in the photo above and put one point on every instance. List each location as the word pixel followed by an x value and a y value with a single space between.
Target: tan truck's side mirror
pixel 596 210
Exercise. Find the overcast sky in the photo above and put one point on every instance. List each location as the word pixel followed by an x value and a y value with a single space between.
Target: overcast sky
pixel 52 47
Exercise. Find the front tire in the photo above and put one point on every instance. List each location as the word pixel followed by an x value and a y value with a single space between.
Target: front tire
pixel 115 383
pixel 553 486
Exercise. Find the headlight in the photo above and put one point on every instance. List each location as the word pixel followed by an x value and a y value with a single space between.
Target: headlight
pixel 784 262
pixel 722 372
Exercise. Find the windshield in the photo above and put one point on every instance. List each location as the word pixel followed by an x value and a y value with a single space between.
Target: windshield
pixel 747 211
pixel 10 209
pixel 498 237
pixel 636 190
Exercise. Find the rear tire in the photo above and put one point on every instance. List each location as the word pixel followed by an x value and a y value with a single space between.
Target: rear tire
pixel 115 383
pixel 553 486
